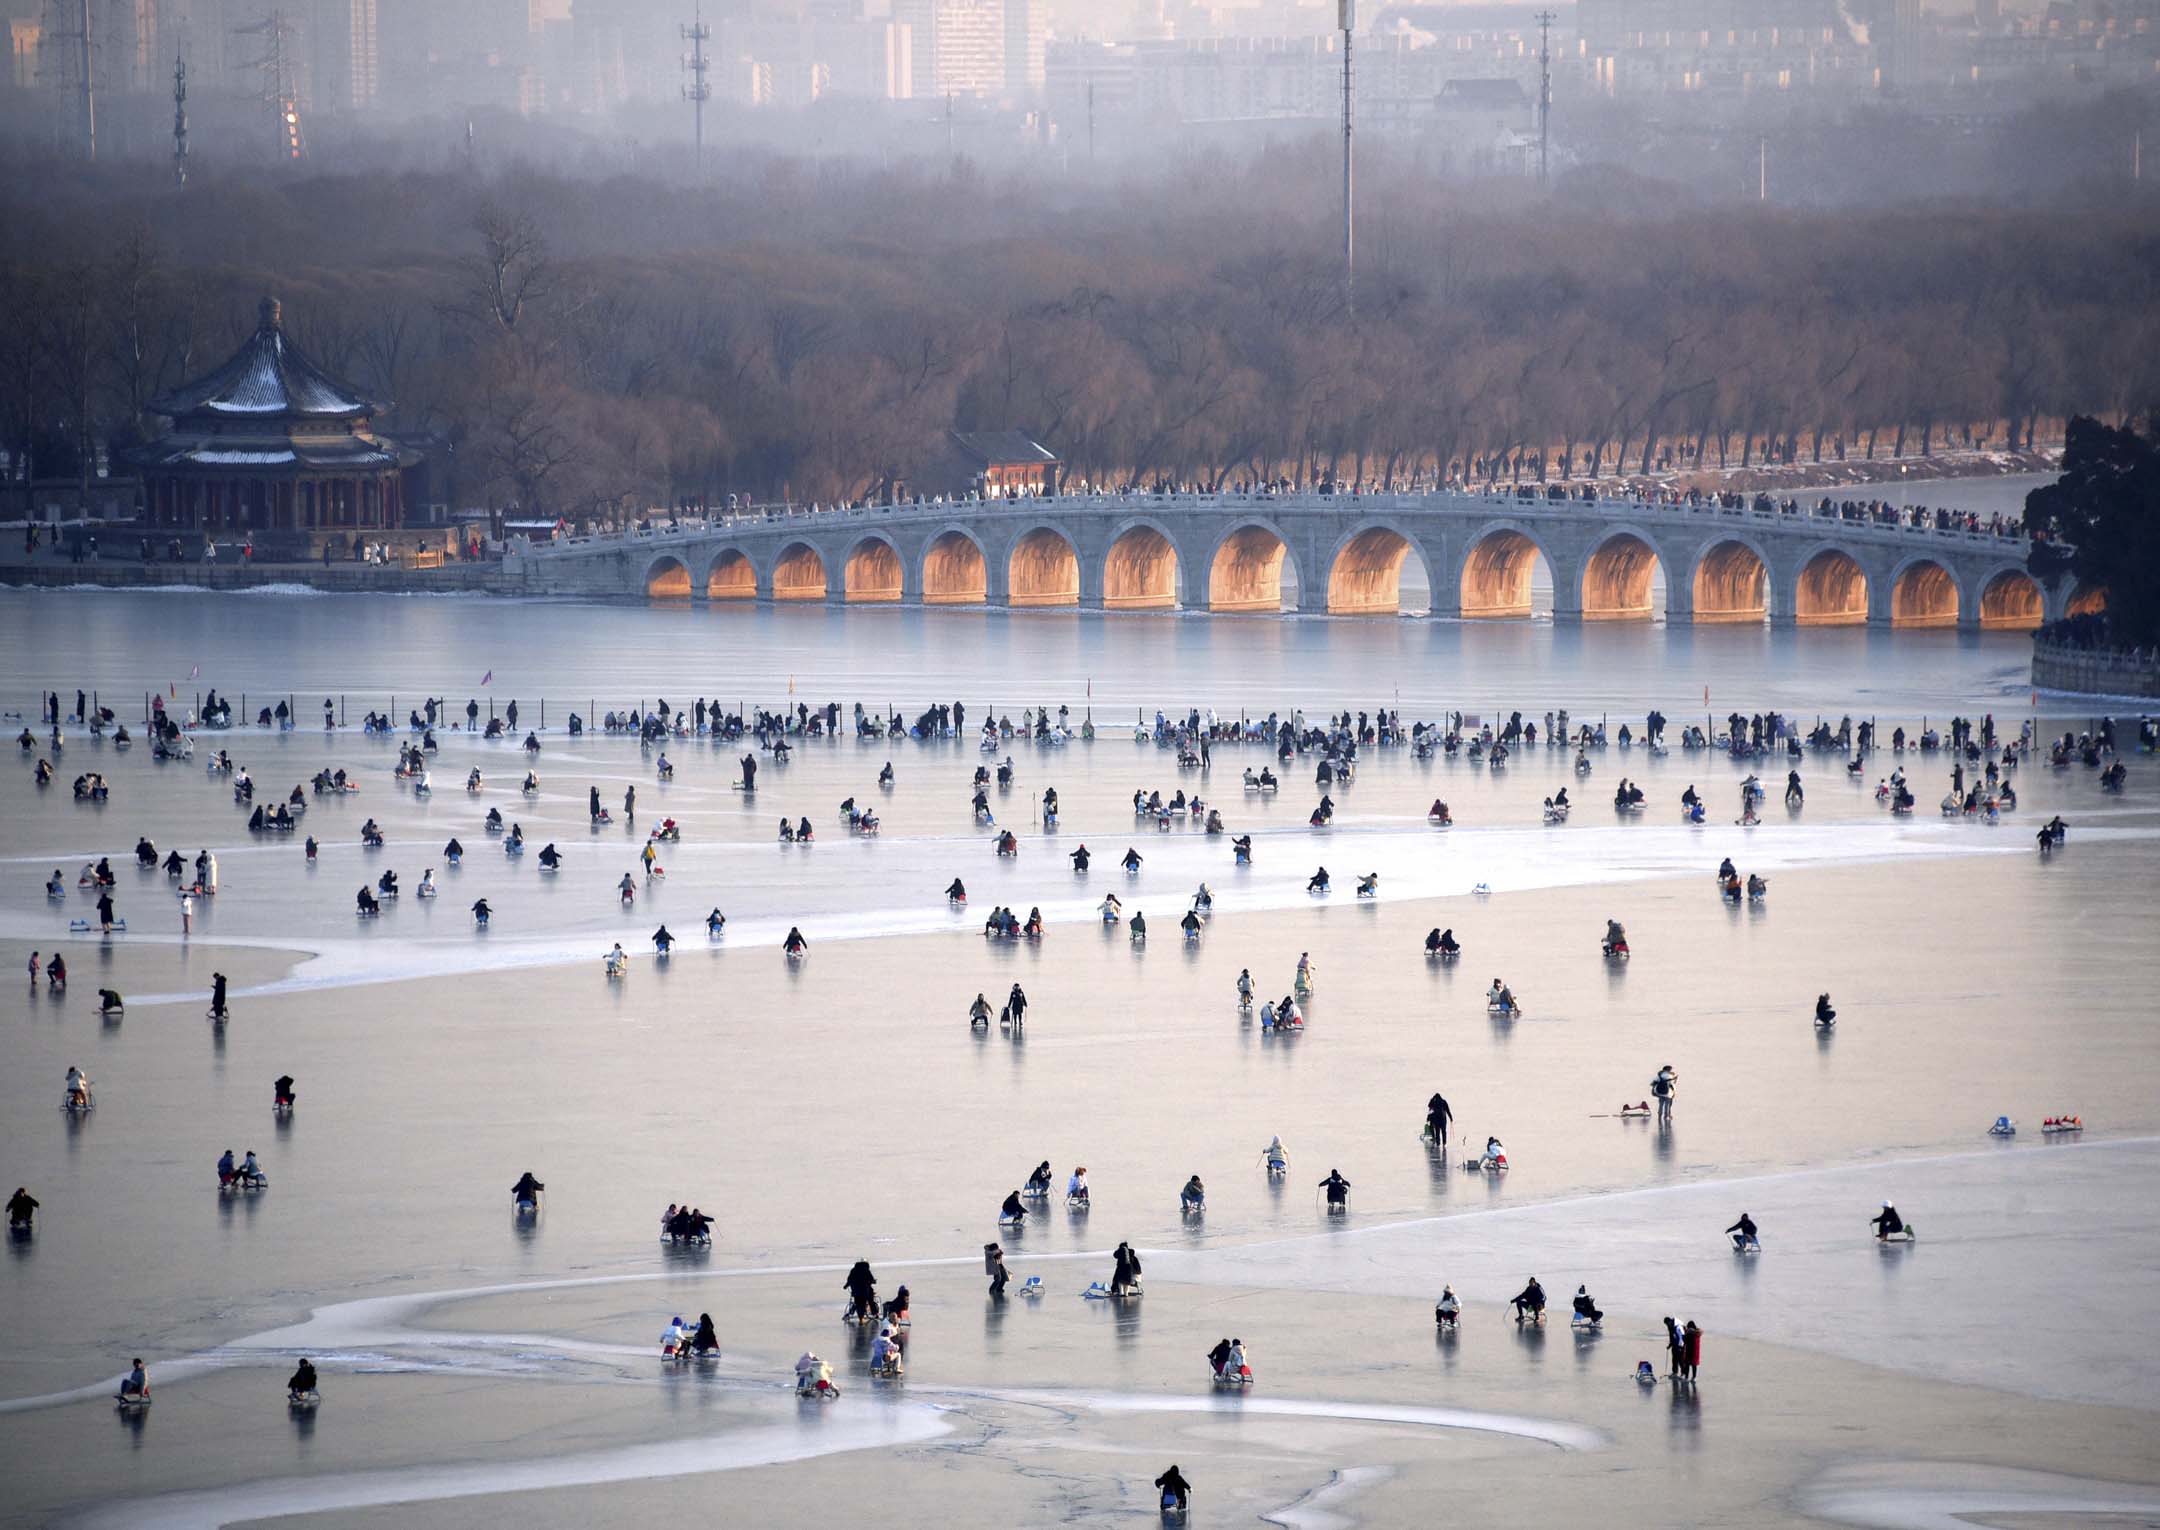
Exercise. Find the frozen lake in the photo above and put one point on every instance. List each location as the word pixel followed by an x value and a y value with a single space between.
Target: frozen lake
pixel 843 1108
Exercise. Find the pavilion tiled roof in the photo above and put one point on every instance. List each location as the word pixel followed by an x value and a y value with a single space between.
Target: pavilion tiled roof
pixel 267 379
pixel 1002 446
pixel 338 453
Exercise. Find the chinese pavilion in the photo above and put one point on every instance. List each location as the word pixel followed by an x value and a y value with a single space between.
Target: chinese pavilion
pixel 270 443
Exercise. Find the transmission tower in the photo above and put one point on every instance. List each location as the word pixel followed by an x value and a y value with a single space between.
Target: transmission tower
pixel 68 44
pixel 698 91
pixel 277 91
pixel 1544 97
pixel 1346 14
pixel 179 120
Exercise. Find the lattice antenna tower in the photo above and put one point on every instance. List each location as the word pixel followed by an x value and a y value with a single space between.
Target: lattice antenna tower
pixel 179 119
pixel 698 91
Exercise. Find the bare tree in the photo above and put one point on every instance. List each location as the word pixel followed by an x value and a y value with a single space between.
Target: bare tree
pixel 510 272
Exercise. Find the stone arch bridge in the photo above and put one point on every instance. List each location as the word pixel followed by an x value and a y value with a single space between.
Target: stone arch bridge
pixel 1339 554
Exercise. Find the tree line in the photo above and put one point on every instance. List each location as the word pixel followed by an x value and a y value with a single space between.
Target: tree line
pixel 587 345
pixel 2101 522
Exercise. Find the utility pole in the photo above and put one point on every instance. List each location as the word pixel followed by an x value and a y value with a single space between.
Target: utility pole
pixel 179 121
pixel 1346 14
pixel 698 92
pixel 1544 98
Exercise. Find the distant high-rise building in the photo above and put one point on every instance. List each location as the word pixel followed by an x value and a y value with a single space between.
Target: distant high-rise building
pixel 599 40
pixel 1027 35
pixel 132 34
pixel 970 47
pixel 125 55
pixel 343 49
pixel 802 61
pixel 920 18
pixel 1084 78
pixel 22 53
pixel 957 47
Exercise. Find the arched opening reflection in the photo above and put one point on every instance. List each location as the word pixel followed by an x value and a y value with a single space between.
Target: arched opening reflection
pixel 1367 577
pixel 1623 581
pixel 954 571
pixel 799 575
pixel 1045 570
pixel 2011 602
pixel 1731 585
pixel 873 573
pixel 731 578
pixel 1925 595
pixel 1140 572
pixel 667 579
pixel 2090 600
pixel 1832 591
pixel 1497 575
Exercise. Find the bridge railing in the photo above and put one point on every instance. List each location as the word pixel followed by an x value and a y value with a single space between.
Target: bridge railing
pixel 1538 505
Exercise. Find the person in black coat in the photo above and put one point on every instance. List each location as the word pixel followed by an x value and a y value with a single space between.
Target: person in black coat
pixel 862 1287
pixel 1174 1487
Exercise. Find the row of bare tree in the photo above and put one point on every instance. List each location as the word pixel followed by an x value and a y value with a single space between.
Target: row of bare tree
pixel 812 331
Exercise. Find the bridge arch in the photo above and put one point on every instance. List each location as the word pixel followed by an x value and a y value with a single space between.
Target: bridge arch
pixel 874 573
pixel 1830 588
pixel 1142 571
pixel 955 569
pixel 2087 600
pixel 1365 570
pixel 1498 562
pixel 1621 577
pixel 730 575
pixel 798 573
pixel 1043 568
pixel 667 577
pixel 1923 593
pixel 1731 582
pixel 1245 569
pixel 2010 599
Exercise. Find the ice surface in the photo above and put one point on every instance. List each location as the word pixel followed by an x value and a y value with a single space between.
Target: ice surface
pixel 1960 1495
pixel 858 1425
pixel 2028 1273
